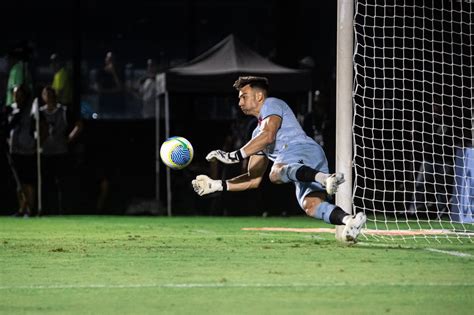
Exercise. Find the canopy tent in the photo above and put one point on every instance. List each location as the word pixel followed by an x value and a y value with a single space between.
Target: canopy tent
pixel 215 71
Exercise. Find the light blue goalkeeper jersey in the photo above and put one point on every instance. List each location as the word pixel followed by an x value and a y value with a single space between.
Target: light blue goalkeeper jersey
pixel 290 138
pixel 292 145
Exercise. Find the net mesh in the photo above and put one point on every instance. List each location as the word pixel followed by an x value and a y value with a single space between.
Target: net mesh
pixel 413 106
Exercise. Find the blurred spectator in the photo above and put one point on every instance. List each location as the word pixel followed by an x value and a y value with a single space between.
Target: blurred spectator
pixel 64 88
pixel 110 88
pixel 55 147
pixel 19 73
pixel 62 80
pixel 147 89
pixel 21 126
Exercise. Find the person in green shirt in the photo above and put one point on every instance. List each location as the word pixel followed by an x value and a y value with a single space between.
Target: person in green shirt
pixel 17 76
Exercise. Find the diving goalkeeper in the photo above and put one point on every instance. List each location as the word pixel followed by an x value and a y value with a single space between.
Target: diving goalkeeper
pixel 296 158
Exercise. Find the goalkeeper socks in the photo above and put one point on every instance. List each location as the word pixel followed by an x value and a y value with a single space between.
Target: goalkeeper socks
pixel 331 214
pixel 338 216
pixel 288 172
pixel 306 174
pixel 296 172
pixel 324 211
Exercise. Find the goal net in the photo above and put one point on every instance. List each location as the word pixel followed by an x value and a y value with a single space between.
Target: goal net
pixel 412 123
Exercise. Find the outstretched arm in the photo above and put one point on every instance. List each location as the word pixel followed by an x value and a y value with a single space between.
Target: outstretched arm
pixel 268 130
pixel 204 185
pixel 252 179
pixel 266 136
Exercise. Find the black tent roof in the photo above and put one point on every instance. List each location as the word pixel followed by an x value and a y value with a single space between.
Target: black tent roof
pixel 216 70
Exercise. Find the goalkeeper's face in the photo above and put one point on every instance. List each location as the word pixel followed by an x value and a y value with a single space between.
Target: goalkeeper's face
pixel 250 100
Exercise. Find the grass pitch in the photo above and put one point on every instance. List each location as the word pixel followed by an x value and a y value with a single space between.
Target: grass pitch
pixel 209 265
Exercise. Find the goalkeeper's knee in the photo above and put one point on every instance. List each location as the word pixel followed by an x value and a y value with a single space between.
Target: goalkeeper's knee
pixel 277 174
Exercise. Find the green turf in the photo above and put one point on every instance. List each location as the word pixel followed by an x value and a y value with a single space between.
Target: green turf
pixel 208 265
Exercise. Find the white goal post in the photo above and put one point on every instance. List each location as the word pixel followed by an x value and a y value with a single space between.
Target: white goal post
pixel 410 102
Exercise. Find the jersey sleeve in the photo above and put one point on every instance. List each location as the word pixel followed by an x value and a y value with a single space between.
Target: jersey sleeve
pixel 272 106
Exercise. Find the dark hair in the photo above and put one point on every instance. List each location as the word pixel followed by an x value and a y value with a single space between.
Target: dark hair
pixel 254 82
pixel 50 89
pixel 22 88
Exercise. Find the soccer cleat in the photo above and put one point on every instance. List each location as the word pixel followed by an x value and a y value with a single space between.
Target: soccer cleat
pixel 352 228
pixel 333 182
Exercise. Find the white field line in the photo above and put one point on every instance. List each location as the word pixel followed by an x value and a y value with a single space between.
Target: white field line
pixel 228 285
pixel 449 252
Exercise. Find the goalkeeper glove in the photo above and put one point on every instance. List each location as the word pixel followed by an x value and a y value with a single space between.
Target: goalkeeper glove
pixel 204 185
pixel 226 157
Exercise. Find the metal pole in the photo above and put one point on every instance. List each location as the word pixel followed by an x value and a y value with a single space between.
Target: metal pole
pixel 167 134
pixel 344 81
pixel 38 154
pixel 157 148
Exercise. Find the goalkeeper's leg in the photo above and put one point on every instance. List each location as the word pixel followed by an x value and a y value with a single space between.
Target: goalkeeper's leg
pixel 314 205
pixel 296 172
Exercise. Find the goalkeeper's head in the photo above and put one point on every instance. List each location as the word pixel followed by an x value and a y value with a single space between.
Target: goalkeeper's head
pixel 260 83
pixel 252 94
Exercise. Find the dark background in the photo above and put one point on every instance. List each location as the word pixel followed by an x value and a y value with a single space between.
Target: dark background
pixel 172 32
pixel 409 57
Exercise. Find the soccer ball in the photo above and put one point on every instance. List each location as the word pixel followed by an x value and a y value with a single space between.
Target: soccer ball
pixel 176 152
